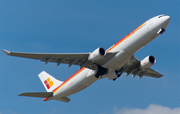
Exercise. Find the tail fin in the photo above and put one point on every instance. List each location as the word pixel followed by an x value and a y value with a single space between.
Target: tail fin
pixel 49 82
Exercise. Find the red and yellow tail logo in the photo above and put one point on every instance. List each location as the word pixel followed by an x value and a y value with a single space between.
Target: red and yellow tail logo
pixel 48 83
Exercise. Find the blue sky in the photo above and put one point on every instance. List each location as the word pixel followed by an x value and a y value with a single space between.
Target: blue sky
pixel 61 26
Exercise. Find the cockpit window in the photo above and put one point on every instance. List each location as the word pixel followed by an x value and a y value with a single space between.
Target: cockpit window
pixel 161 16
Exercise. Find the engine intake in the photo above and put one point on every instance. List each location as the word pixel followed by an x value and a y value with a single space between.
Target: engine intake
pixel 98 54
pixel 147 62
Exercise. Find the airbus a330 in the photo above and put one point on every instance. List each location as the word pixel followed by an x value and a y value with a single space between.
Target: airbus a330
pixel 101 63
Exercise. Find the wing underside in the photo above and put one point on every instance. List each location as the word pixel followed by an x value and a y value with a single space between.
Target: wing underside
pixel 132 67
pixel 80 59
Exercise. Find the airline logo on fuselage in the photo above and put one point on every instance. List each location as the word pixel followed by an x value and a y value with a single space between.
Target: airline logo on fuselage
pixel 48 83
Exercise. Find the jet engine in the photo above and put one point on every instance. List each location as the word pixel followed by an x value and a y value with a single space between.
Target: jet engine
pixel 99 53
pixel 147 62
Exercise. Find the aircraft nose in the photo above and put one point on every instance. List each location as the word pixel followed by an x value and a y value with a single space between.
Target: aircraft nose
pixel 166 21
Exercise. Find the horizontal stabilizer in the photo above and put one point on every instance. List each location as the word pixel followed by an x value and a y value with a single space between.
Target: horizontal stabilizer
pixel 64 99
pixel 38 94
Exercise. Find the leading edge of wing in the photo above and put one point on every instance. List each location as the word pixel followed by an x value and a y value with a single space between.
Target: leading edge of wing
pixel 27 53
pixel 41 55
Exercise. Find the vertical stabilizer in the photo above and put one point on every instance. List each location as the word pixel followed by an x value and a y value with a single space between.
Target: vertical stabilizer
pixel 49 82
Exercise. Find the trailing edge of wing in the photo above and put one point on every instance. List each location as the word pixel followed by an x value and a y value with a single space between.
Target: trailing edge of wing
pixel 37 94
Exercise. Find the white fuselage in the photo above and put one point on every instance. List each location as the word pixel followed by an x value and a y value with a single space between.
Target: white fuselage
pixel 125 48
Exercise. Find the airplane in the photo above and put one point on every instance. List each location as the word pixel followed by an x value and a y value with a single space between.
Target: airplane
pixel 101 63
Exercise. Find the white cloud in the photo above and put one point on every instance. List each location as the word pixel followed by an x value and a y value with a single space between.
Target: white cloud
pixel 151 109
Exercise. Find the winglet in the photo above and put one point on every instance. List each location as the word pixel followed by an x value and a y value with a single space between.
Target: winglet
pixel 6 52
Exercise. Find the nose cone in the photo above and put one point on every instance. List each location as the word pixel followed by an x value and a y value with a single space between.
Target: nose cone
pixel 166 20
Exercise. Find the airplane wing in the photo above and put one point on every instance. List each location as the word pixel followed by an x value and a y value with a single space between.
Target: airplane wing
pixel 132 67
pixel 80 59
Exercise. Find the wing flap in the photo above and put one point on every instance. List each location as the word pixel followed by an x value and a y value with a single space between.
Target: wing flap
pixel 37 94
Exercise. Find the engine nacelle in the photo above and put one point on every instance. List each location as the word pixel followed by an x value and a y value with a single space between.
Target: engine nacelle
pixel 147 62
pixel 98 54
